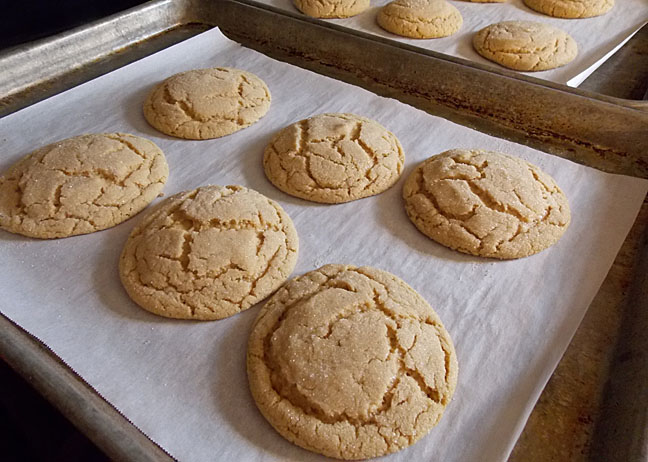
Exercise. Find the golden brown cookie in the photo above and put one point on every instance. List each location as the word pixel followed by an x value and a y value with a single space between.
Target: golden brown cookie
pixel 328 9
pixel 422 19
pixel 80 185
pixel 525 45
pixel 207 103
pixel 334 158
pixel 208 253
pixel 350 362
pixel 571 9
pixel 486 203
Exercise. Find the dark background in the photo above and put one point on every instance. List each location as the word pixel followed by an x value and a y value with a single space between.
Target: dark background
pixel 30 428
pixel 25 20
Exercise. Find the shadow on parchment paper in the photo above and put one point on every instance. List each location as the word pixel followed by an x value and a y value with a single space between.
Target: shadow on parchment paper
pixel 106 281
pixel 390 213
pixel 134 116
pixel 465 47
pixel 519 4
pixel 236 405
pixel 248 156
pixel 6 236
pixel 255 178
pixel 367 22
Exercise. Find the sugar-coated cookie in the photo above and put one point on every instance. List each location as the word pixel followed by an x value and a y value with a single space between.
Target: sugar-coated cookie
pixel 327 9
pixel 350 362
pixel 207 103
pixel 571 9
pixel 486 203
pixel 80 185
pixel 422 19
pixel 525 45
pixel 333 158
pixel 208 253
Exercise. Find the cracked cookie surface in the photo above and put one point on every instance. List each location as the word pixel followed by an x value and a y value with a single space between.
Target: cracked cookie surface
pixel 331 8
pixel 525 45
pixel 208 253
pixel 420 18
pixel 81 185
pixel 486 203
pixel 571 9
pixel 350 362
pixel 334 158
pixel 207 103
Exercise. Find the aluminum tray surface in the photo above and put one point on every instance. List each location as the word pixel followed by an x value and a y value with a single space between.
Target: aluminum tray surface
pixel 597 37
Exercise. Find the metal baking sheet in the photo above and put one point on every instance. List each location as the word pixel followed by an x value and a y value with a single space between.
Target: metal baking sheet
pixel 176 16
pixel 597 37
pixel 601 131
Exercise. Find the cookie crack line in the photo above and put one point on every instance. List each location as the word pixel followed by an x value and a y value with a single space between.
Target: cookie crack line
pixel 370 153
pixel 130 146
pixel 102 172
pixel 207 103
pixel 329 9
pixel 512 210
pixel 486 199
pixel 184 260
pixel 309 171
pixel 435 203
pixel 526 49
pixel 573 9
pixel 186 222
pixel 490 202
pixel 439 20
pixel 303 134
pixel 91 182
pixel 299 400
pixel 432 393
pixel 428 321
pixel 360 168
pixel 188 110
pixel 525 46
pixel 195 280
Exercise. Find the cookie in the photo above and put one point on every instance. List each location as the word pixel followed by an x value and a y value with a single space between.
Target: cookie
pixel 422 19
pixel 486 203
pixel 525 45
pixel 487 1
pixel 81 185
pixel 207 103
pixel 331 8
pixel 350 362
pixel 208 253
pixel 571 9
pixel 334 158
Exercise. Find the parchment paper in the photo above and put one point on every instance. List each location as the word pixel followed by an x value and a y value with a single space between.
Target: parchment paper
pixel 184 383
pixel 598 38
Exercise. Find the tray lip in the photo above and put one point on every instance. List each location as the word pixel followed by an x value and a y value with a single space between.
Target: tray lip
pixel 638 105
pixel 576 129
pixel 57 381
pixel 45 41
pixel 189 17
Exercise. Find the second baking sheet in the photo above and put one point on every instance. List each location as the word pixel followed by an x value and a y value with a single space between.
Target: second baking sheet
pixel 598 37
pixel 184 383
